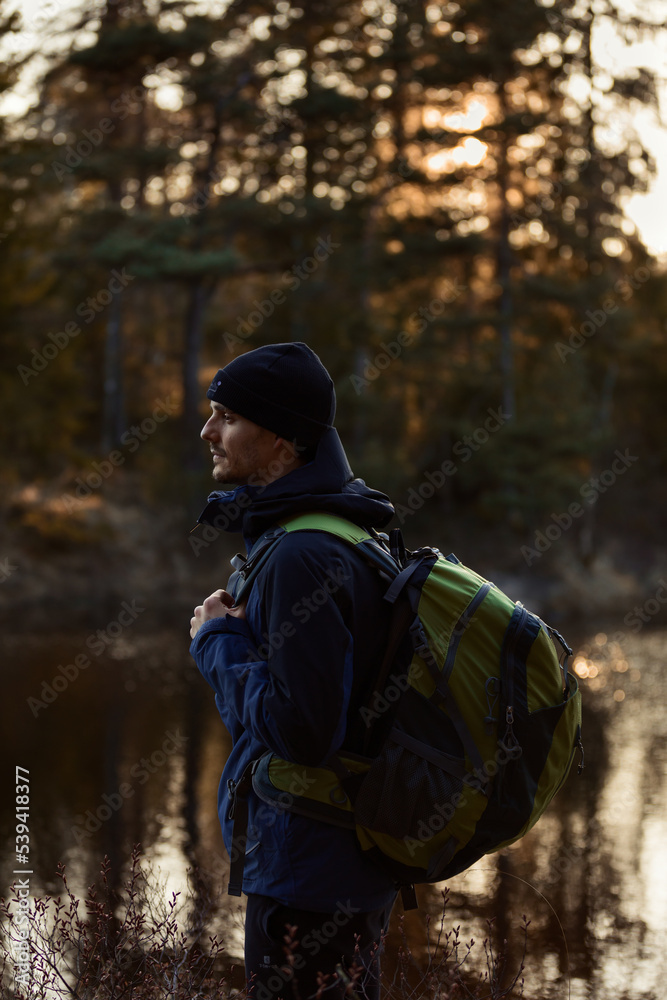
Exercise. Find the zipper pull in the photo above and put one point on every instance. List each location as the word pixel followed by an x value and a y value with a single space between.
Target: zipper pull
pixel 509 742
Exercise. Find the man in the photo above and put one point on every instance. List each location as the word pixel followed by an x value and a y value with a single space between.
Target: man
pixel 292 667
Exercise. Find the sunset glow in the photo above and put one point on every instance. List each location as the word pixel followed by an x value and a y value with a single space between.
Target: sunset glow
pixel 468 153
pixel 470 118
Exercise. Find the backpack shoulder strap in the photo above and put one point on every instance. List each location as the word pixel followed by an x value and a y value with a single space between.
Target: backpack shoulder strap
pixel 246 569
pixel 403 619
pixel 358 538
pixel 332 523
pixel 368 543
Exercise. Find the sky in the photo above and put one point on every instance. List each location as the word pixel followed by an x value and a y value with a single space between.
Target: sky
pixel 648 211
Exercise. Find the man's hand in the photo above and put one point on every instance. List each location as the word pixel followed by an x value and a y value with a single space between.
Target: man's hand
pixel 219 604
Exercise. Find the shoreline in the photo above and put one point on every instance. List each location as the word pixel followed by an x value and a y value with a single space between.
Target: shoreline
pixel 58 567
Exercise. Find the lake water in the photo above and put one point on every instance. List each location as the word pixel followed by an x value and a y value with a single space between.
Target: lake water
pixel 130 748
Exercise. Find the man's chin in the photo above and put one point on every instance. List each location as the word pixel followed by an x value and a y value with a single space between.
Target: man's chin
pixel 225 476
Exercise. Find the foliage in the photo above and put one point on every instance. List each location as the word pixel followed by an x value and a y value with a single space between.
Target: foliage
pixel 471 206
pixel 446 970
pixel 131 942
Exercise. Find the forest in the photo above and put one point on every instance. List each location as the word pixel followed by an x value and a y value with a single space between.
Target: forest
pixel 429 194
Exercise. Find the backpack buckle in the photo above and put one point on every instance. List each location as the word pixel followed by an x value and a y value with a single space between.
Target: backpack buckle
pixel 231 789
pixel 419 640
pixel 397 547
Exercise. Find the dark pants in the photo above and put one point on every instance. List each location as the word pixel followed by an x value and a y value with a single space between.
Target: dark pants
pixel 287 949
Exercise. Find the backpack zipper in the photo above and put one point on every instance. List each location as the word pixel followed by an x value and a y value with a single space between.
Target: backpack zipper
pixel 509 742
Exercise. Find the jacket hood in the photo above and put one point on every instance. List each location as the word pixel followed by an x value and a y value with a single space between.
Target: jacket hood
pixel 326 483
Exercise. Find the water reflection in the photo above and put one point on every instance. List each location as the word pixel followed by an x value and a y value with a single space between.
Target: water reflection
pixel 132 749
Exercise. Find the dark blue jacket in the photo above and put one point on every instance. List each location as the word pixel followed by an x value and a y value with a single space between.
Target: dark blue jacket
pixel 293 675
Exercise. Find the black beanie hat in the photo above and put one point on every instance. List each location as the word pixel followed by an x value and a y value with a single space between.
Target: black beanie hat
pixel 282 387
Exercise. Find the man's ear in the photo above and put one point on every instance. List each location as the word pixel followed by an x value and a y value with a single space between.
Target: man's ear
pixel 287 449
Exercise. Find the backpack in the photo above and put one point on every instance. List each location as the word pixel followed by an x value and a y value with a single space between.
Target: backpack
pixel 468 736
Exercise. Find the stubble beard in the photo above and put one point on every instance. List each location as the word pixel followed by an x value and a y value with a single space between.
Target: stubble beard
pixel 225 472
pixel 244 468
pixel 226 475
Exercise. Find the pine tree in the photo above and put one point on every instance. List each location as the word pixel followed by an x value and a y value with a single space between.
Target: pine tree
pixel 411 188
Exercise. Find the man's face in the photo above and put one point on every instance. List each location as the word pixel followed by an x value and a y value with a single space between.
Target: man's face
pixel 242 451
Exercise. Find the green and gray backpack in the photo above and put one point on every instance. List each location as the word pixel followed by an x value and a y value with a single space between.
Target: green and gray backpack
pixel 468 736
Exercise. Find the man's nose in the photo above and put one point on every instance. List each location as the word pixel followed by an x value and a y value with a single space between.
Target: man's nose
pixel 208 430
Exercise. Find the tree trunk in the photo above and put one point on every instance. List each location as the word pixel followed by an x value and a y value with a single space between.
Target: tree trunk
pixel 503 266
pixel 193 455
pixel 113 415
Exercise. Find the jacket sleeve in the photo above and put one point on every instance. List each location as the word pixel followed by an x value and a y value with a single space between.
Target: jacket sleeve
pixel 291 691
